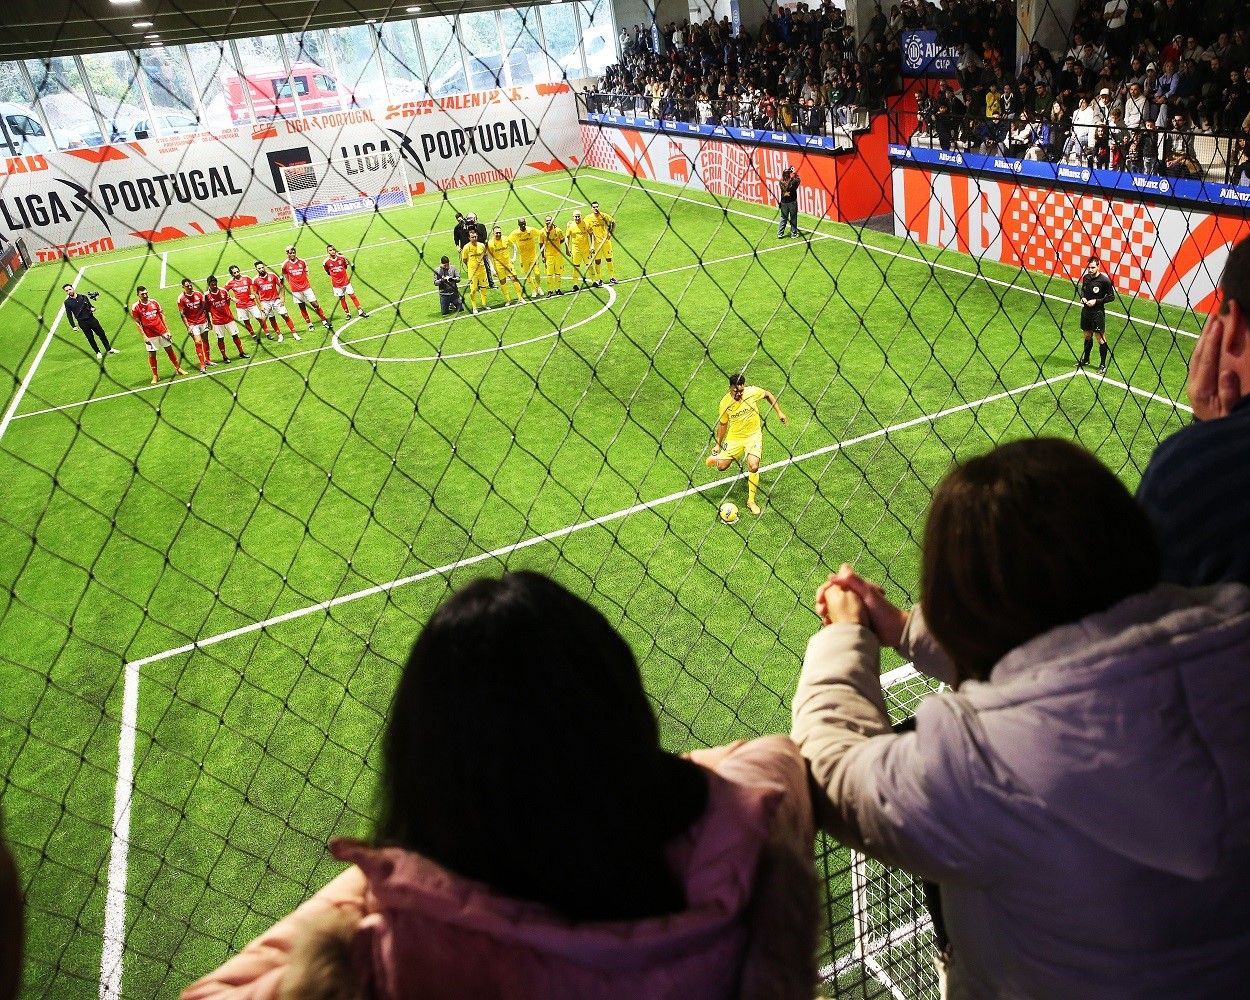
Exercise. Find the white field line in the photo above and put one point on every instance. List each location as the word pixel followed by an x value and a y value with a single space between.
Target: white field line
pixel 240 369
pixel 165 269
pixel 115 898
pixel 904 256
pixel 30 373
pixel 1152 396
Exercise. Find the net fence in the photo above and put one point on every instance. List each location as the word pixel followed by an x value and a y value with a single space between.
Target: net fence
pixel 217 551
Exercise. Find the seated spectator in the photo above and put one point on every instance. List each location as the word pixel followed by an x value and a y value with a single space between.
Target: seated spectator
pixel 1077 794
pixel 536 841
pixel 1022 136
pixel 1177 151
pixel 1239 165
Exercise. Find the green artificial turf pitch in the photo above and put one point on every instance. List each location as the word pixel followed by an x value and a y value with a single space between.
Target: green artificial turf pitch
pixel 566 436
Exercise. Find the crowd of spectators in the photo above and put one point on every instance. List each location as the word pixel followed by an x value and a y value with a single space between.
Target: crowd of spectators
pixel 803 71
pixel 1137 84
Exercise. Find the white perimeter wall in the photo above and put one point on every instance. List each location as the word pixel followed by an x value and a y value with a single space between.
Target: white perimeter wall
pixel 1169 254
pixel 90 200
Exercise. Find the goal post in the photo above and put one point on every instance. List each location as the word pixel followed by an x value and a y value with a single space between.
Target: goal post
pixel 366 182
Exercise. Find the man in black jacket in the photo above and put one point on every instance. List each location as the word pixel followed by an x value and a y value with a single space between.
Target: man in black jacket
pixel 788 202
pixel 80 311
pixel 1096 292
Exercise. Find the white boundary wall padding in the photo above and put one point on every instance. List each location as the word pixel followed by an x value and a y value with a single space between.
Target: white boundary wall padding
pixel 1161 252
pixel 346 186
pixel 84 201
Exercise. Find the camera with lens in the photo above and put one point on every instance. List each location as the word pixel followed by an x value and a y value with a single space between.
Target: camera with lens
pixel 93 295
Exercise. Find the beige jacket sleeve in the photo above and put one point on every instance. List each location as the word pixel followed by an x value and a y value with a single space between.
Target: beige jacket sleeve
pixel 918 645
pixel 256 972
pixel 901 798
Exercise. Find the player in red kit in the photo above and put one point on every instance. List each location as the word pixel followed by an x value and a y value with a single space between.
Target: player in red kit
pixel 194 312
pixel 221 316
pixel 243 289
pixel 339 269
pixel 150 318
pixel 295 270
pixel 269 290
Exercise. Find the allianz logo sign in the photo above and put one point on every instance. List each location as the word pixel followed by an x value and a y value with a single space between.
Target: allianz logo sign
pixel 1068 174
pixel 720 130
pixel 950 158
pixel 778 136
pixel 813 140
pixel 1234 195
pixel 1148 184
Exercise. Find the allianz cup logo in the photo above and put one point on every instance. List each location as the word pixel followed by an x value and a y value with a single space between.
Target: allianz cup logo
pixel 1085 175
pixel 1164 187
pixel 913 52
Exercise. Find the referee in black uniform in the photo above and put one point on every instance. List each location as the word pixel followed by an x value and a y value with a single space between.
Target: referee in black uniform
pixel 81 313
pixel 1096 292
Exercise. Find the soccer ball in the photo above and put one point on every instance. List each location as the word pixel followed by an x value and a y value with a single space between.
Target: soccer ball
pixel 729 512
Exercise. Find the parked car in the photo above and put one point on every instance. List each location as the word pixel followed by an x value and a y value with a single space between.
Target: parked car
pixel 271 92
pixel 22 133
pixel 162 122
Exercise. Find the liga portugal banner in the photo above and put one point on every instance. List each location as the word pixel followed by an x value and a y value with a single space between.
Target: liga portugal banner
pixel 89 200
pixel 1166 253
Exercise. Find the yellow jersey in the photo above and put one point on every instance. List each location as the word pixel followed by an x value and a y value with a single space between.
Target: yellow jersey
pixel 600 227
pixel 500 251
pixel 742 416
pixel 552 241
pixel 579 237
pixel 526 242
pixel 474 257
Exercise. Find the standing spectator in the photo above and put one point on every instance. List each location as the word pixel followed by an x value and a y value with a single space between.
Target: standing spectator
pixel 788 202
pixel 1115 14
pixel 460 232
pixel 80 311
pixel 1089 751
pixel 1136 107
pixel 1195 486
pixel 605 867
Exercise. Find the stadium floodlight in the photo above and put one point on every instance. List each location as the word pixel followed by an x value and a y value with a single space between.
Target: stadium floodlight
pixel 349 185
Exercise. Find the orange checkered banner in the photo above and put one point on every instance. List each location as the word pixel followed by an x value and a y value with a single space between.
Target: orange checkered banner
pixel 93 199
pixel 1165 253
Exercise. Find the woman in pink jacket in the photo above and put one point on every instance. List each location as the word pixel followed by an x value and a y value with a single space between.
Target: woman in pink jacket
pixel 535 841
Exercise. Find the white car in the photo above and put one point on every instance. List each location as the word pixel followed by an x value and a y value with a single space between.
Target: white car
pixel 21 133
pixel 165 123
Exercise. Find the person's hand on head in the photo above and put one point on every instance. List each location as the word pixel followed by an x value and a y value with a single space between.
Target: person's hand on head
pixel 1219 371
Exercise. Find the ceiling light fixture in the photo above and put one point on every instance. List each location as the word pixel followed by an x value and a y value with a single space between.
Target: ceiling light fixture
pixel 412 10
pixel 141 24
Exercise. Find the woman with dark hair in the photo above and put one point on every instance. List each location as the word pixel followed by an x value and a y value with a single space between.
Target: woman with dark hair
pixel 536 841
pixel 1082 795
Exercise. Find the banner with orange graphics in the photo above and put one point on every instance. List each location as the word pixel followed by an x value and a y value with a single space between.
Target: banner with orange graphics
pixel 1162 252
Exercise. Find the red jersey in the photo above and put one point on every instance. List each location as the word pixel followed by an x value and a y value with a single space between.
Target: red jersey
pixel 296 272
pixel 337 268
pixel 193 308
pixel 268 286
pixel 150 317
pixel 242 289
pixel 219 311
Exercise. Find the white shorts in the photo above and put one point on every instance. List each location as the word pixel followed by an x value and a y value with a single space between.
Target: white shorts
pixel 249 312
pixel 347 289
pixel 307 295
pixel 152 343
pixel 225 330
pixel 197 329
pixel 274 308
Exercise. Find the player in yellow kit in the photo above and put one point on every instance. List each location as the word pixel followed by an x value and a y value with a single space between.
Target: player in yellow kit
pixel 740 432
pixel 500 251
pixel 474 257
pixel 552 241
pixel 526 241
pixel 578 237
pixel 601 226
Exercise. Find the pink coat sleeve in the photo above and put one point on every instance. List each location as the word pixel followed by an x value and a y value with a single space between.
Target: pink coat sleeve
pixel 256 972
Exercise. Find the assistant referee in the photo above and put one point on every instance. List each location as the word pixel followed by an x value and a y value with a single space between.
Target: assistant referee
pixel 80 312
pixel 1096 292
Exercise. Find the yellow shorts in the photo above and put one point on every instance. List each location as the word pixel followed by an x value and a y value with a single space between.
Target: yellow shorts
pixel 479 279
pixel 739 448
pixel 504 271
pixel 555 265
pixel 528 266
pixel 604 250
pixel 580 256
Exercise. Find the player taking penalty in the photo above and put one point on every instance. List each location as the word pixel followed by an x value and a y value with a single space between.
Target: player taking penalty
pixel 339 268
pixel 740 432
pixel 221 316
pixel 150 319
